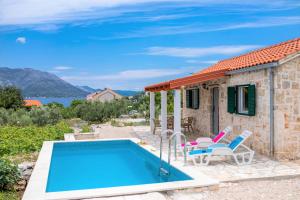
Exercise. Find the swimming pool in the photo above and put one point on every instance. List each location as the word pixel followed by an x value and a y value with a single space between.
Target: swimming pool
pixel 103 164
pixel 104 168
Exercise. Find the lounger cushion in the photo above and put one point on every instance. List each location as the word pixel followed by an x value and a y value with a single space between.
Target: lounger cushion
pixel 200 151
pixel 191 143
pixel 235 142
pixel 217 145
pixel 218 137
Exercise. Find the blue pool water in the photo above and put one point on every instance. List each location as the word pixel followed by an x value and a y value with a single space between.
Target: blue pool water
pixel 102 164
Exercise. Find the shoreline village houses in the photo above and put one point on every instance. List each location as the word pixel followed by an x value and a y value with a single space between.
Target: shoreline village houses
pixel 106 95
pixel 258 91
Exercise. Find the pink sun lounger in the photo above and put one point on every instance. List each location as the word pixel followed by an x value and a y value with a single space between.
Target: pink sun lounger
pixel 204 142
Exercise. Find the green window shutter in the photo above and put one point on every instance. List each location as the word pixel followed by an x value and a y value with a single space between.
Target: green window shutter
pixel 188 98
pixel 195 98
pixel 251 100
pixel 231 99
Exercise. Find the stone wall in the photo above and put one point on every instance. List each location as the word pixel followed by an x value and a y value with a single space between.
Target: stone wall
pixel 286 102
pixel 258 124
pixel 287 109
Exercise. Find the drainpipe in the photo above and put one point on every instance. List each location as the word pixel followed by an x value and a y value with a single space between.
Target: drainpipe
pixel 271 88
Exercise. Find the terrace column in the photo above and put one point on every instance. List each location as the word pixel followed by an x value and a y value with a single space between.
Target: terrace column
pixel 177 115
pixel 164 111
pixel 152 111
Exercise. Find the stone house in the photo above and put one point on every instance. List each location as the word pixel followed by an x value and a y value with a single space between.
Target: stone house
pixel 258 91
pixel 106 95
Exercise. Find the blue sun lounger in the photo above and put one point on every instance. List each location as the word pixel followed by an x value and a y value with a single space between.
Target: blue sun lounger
pixel 204 155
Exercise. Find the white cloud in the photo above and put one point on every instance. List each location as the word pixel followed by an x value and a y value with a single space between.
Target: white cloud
pixel 62 68
pixel 263 22
pixel 21 40
pixel 28 12
pixel 130 75
pixel 199 52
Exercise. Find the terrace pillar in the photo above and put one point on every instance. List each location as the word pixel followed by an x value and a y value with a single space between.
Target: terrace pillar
pixel 164 111
pixel 177 115
pixel 152 111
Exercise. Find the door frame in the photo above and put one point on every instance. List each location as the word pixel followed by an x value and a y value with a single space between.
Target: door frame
pixel 215 109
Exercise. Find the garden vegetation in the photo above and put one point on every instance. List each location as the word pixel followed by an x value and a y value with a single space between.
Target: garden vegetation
pixel 23 130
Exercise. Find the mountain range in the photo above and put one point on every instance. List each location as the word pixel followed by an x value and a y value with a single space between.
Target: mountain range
pixel 36 83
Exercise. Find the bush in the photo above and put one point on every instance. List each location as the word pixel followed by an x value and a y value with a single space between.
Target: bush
pixel 4 116
pixel 85 128
pixel 101 112
pixel 9 195
pixel 23 117
pixel 77 102
pixel 68 113
pixel 19 118
pixel 15 140
pixel 9 175
pixel 55 105
pixel 42 117
pixel 10 97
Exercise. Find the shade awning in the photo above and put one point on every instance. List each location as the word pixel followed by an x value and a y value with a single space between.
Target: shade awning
pixel 196 79
pixel 158 87
pixel 186 81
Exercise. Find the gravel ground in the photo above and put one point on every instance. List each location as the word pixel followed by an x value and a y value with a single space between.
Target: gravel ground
pixel 288 189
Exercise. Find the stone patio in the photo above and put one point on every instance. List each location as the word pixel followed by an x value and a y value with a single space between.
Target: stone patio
pixel 225 171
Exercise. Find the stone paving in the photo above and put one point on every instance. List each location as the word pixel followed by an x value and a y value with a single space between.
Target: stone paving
pixel 234 179
pixel 261 167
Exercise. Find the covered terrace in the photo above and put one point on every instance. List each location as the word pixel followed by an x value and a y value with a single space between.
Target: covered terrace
pixel 176 85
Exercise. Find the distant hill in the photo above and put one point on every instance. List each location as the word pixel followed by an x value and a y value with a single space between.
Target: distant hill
pixel 87 89
pixel 35 83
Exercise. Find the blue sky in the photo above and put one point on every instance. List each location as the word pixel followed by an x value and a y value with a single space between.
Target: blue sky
pixel 128 44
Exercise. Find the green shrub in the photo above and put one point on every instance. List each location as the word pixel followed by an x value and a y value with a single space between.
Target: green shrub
pixel 101 112
pixel 68 113
pixel 9 195
pixel 15 140
pixel 19 118
pixel 54 116
pixel 42 117
pixel 55 105
pixel 39 116
pixel 77 102
pixel 9 175
pixel 85 128
pixel 10 97
pixel 4 116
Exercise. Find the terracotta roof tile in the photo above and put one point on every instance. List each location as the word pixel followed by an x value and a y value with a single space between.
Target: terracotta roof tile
pixel 29 103
pixel 265 55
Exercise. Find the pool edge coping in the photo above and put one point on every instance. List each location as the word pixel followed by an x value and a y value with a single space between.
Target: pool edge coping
pixel 36 188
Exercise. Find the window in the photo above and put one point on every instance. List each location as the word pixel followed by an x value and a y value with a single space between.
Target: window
pixel 192 98
pixel 241 100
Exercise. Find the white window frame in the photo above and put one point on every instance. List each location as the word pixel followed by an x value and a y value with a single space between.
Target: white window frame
pixel 241 100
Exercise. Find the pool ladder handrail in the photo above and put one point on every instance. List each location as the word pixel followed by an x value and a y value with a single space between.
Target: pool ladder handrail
pixel 161 169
